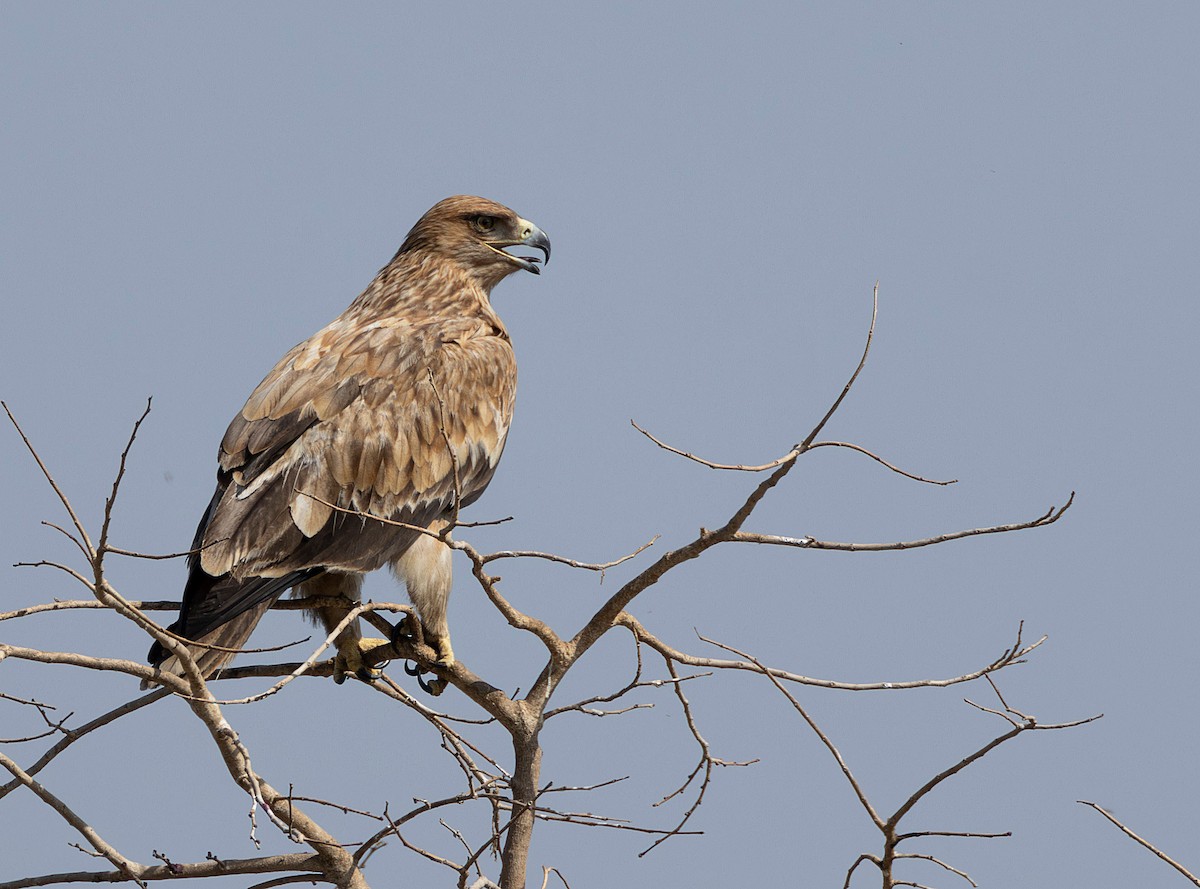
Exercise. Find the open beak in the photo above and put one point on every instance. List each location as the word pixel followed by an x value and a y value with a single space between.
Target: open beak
pixel 531 236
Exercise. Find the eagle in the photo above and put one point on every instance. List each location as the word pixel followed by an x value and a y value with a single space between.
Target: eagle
pixel 398 409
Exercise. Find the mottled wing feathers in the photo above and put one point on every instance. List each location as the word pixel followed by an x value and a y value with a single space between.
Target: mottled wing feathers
pixel 354 419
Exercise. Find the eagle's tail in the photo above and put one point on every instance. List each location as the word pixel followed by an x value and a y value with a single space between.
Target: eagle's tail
pixel 223 612
pixel 230 635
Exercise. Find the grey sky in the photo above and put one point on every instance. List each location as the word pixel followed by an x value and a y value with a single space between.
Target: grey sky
pixel 188 190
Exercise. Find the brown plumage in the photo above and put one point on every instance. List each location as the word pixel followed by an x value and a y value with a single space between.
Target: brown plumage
pixel 365 415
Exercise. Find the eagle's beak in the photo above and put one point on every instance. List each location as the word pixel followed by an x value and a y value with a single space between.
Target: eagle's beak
pixel 532 236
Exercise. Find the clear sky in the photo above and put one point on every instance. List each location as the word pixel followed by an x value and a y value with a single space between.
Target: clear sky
pixel 190 189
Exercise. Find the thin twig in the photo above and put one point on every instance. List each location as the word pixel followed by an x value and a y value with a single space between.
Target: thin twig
pixel 84 540
pixel 862 362
pixel 865 856
pixel 131 869
pixel 706 764
pixel 712 464
pixel 1047 518
pixel 939 863
pixel 961 834
pixel 83 730
pixel 812 724
pixel 111 501
pixel 1011 656
pixel 1144 843
pixel 878 459
pixel 807 444
pixel 562 560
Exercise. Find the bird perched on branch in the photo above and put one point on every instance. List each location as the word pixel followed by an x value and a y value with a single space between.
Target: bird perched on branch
pixel 398 409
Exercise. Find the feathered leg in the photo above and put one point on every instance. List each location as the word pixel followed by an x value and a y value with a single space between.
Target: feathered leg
pixel 345 590
pixel 426 571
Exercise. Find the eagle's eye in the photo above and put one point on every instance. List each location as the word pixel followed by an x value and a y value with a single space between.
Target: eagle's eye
pixel 485 223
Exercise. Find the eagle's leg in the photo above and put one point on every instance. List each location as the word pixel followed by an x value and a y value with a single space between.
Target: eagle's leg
pixel 426 571
pixel 345 590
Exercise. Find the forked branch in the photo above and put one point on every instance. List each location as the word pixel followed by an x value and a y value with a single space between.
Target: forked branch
pixel 889 826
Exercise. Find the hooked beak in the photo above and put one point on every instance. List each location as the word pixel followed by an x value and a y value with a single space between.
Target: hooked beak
pixel 531 236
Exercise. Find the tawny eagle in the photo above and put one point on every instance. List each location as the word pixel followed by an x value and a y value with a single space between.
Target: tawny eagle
pixel 361 420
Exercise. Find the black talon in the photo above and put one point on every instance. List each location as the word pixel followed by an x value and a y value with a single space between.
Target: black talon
pixel 399 632
pixel 371 674
pixel 434 686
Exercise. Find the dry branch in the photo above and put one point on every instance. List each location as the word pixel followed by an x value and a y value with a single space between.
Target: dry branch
pixel 1047 518
pixel 889 826
pixel 1011 656
pixel 1144 843
pixel 212 868
pixel 130 869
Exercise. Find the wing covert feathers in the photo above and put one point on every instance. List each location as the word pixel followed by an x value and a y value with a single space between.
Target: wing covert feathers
pixel 297 459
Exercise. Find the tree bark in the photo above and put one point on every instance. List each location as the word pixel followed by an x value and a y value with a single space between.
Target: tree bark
pixel 526 773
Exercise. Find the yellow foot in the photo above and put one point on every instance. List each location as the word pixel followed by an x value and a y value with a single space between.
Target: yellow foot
pixel 441 645
pixel 352 659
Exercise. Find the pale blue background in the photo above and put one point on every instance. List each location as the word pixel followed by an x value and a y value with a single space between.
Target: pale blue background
pixel 189 189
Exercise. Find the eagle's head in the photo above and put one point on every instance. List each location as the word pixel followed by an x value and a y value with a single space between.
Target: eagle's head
pixel 472 232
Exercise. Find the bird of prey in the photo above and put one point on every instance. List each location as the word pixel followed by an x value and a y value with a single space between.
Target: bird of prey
pixel 396 409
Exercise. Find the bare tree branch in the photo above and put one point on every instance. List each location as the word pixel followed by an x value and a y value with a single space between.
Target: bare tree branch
pixel 83 538
pixel 807 444
pixel 131 869
pixel 600 567
pixel 1047 518
pixel 102 545
pixel 855 786
pixel 1011 656
pixel 878 459
pixel 77 734
pixel 742 467
pixel 857 861
pixel 76 604
pixel 888 827
pixel 212 868
pixel 939 863
pixel 706 764
pixel 1029 725
pixel 1144 843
